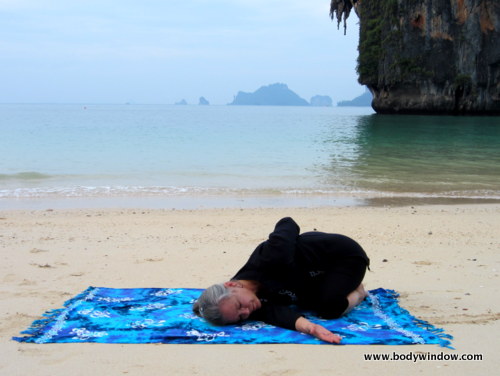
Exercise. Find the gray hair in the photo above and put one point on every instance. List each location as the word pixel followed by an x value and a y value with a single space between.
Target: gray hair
pixel 207 305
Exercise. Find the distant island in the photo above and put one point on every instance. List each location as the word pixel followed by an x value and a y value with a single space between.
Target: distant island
pixel 272 95
pixel 321 101
pixel 182 102
pixel 203 102
pixel 364 100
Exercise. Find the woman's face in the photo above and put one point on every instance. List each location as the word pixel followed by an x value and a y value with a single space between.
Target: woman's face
pixel 239 305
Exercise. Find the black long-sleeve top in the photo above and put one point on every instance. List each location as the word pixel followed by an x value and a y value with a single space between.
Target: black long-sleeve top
pixel 288 261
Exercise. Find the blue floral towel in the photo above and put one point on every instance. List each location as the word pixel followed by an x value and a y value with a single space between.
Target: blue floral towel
pixel 154 315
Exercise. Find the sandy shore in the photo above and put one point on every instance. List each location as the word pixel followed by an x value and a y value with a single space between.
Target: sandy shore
pixel 444 260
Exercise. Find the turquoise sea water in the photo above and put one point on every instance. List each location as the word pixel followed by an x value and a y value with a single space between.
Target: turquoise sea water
pixel 286 153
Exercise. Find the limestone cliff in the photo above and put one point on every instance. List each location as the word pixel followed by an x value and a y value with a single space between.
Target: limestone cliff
pixel 429 56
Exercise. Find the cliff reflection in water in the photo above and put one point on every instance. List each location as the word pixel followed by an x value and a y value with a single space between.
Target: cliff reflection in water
pixel 422 155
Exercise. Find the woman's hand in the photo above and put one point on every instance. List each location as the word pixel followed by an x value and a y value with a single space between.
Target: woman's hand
pixel 303 325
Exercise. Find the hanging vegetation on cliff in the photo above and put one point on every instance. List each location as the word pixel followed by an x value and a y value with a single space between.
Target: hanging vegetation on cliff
pixel 341 9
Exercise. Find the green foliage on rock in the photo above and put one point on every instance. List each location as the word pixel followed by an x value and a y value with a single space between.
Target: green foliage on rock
pixel 379 15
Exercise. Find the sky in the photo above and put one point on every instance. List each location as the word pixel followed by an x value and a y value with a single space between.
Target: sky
pixel 162 51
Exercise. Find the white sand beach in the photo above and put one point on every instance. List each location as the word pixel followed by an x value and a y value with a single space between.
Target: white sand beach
pixel 443 260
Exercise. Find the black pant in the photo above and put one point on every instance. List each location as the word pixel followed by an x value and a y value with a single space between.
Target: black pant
pixel 328 294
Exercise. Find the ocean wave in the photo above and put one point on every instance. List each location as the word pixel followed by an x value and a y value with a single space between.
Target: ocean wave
pixel 28 175
pixel 172 191
pixel 105 191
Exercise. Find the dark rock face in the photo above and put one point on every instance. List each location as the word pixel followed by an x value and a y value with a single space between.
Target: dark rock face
pixel 431 56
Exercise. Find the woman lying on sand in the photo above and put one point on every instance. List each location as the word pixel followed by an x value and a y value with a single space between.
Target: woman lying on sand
pixel 317 271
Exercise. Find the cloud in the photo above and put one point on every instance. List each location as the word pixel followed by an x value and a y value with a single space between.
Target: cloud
pixel 241 43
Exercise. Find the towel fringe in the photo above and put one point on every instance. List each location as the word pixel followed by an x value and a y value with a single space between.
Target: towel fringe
pixel 444 339
pixel 38 327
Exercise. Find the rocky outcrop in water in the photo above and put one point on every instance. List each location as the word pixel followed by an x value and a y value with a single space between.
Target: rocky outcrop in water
pixel 430 56
pixel 203 102
pixel 321 101
pixel 272 95
pixel 364 100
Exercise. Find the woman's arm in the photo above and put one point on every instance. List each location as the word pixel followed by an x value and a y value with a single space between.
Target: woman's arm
pixel 303 325
pixel 288 318
pixel 280 246
pixel 277 251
